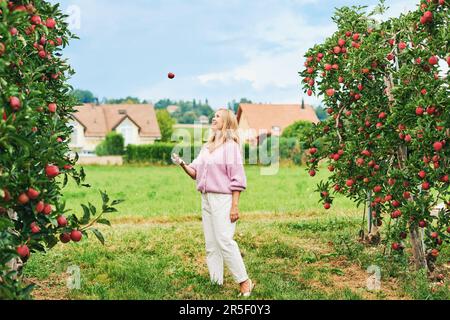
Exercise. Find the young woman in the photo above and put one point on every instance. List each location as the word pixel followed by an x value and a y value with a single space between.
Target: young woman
pixel 220 176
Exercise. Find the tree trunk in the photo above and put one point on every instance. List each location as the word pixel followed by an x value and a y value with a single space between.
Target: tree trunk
pixel 373 236
pixel 418 248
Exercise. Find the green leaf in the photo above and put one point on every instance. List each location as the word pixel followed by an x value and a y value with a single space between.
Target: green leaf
pixel 99 235
pixel 104 221
pixel 86 215
pixel 92 208
pixel 116 202
pixel 105 197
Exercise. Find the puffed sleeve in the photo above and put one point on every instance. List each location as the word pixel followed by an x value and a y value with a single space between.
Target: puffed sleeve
pixel 197 161
pixel 235 167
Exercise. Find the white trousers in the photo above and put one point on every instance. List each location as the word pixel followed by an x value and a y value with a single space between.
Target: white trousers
pixel 219 233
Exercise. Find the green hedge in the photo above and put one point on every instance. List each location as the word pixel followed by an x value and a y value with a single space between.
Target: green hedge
pixel 159 153
pixel 113 145
pixel 286 149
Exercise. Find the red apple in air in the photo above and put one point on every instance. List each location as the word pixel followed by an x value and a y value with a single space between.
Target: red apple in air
pixel 422 224
pixel 23 251
pixel 327 206
pixel 76 235
pixel 396 246
pixel 330 92
pixel 402 45
pixel 422 174
pixel 52 107
pixel 32 193
pixel 62 221
pixel 171 75
pixel 52 171
pixel 435 253
pixel 65 237
pixel 419 111
pixel 349 182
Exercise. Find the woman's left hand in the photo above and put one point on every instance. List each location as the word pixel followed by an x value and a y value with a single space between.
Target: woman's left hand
pixel 234 215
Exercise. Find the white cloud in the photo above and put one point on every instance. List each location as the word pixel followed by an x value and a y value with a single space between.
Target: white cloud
pixel 396 8
pixel 288 36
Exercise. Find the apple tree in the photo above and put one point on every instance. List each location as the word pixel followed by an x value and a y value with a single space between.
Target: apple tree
pixel 35 160
pixel 386 143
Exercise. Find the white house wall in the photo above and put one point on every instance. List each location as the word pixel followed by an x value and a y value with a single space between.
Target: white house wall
pixel 129 131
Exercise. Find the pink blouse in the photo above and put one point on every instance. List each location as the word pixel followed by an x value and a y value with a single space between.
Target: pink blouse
pixel 221 171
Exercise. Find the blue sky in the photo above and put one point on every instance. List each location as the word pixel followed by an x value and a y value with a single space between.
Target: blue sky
pixel 218 49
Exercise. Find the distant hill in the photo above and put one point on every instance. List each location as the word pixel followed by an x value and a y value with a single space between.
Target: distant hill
pixel 188 112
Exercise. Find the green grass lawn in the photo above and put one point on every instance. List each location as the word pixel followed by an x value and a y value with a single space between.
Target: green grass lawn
pixel 168 192
pixel 292 247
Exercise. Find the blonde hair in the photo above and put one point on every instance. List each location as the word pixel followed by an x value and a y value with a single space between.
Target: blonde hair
pixel 229 130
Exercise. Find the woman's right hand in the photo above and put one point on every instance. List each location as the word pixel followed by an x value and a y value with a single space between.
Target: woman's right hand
pixel 176 159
